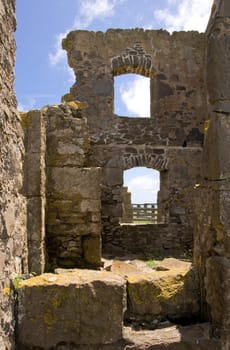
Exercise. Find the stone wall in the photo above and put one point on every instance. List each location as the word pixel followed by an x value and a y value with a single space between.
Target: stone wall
pixel 212 241
pixel 12 214
pixel 127 210
pixel 147 241
pixel 64 196
pixel 73 166
pixel 170 141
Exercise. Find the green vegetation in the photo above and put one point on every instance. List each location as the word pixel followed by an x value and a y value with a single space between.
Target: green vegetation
pixel 16 281
pixel 151 263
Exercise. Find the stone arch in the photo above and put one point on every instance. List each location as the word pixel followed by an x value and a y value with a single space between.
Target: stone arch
pixel 157 162
pixel 133 60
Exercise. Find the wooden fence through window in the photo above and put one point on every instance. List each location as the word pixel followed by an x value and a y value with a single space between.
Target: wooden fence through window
pixel 145 212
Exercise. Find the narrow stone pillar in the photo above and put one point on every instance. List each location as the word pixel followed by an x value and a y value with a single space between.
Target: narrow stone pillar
pixel 35 188
pixel 212 244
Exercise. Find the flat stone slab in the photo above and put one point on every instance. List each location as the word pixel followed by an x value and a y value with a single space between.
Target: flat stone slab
pixel 159 295
pixel 79 307
pixel 172 263
pixel 169 290
pixel 129 268
pixel 133 266
pixel 196 337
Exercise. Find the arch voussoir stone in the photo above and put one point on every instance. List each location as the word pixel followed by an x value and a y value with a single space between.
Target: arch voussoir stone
pixel 157 162
pixel 133 60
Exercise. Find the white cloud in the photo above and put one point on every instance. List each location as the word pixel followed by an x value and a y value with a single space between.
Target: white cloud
pixel 28 102
pixel 91 10
pixel 144 188
pixel 185 15
pixel 144 182
pixel 135 94
pixel 59 55
pixel 27 105
pixel 71 74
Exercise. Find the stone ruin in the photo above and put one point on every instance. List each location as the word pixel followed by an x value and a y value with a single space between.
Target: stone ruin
pixel 77 166
pixel 62 194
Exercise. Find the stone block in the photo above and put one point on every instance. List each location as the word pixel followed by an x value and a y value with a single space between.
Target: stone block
pixel 78 307
pixel 217 286
pixel 193 337
pixel 67 182
pixel 65 251
pixel 36 218
pixel 36 234
pixel 220 204
pixel 89 205
pixel 165 294
pixel 218 64
pixel 72 219
pixel 32 123
pixel 34 175
pixel 224 9
pixel 67 229
pixel 65 148
pixel 217 144
pixel 113 176
pixel 112 210
pixel 102 87
pixel 92 250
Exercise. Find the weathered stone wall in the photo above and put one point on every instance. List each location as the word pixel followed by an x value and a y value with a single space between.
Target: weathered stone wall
pixel 73 218
pixel 62 175
pixel 171 140
pixel 12 214
pixel 153 240
pixel 64 197
pixel 212 240
pixel 175 64
pixel 127 210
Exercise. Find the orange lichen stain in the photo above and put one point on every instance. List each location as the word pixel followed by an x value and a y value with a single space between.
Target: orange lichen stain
pixel 6 291
pixel 163 285
pixel 77 104
pixel 206 126
pixel 42 280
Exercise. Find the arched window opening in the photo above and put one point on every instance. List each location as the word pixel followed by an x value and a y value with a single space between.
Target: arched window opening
pixel 140 196
pixel 132 95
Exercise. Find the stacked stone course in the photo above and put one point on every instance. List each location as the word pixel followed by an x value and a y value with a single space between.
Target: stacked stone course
pixel 64 221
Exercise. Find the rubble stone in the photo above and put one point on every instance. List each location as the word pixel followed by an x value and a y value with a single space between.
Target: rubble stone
pixel 80 306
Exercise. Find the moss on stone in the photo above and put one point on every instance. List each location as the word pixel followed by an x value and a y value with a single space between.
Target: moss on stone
pixel 49 319
pixel 25 120
pixel 206 126
pixel 162 286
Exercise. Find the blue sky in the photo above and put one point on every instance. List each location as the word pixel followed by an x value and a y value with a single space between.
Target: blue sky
pixel 42 73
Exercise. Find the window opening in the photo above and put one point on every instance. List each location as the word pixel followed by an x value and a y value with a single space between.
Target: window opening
pixel 140 196
pixel 132 95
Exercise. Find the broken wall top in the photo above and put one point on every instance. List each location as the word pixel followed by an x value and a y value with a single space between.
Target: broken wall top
pixel 175 65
